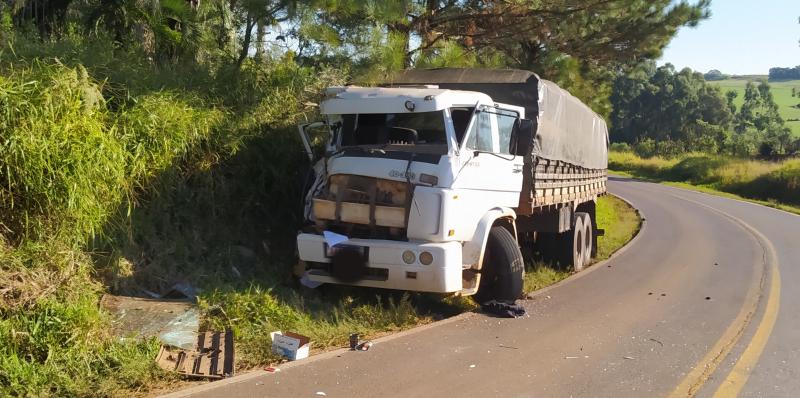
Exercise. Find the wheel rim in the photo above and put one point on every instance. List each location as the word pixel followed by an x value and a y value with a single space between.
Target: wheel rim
pixel 587 251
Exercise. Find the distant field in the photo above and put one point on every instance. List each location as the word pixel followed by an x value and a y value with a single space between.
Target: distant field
pixel 782 92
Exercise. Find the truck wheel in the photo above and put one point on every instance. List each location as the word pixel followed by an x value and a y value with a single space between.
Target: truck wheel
pixel 503 268
pixel 588 239
pixel 576 241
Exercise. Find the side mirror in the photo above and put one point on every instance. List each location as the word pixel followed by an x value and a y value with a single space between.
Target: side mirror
pixel 522 137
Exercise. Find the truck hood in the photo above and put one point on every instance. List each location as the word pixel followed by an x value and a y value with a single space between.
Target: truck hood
pixel 391 166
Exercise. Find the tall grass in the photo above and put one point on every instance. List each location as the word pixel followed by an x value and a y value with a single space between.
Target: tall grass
pixel 118 176
pixel 61 163
pixel 755 179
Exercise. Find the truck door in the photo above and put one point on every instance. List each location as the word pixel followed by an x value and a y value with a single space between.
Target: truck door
pixel 487 161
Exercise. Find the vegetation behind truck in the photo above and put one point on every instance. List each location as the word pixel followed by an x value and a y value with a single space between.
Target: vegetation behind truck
pixel 434 182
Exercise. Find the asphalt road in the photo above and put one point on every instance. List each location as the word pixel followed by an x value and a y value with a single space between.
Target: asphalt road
pixel 702 303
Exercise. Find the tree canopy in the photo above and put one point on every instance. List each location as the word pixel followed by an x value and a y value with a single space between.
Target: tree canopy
pixel 577 44
pixel 672 112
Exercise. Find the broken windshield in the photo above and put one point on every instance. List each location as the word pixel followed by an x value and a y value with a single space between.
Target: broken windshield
pixel 411 132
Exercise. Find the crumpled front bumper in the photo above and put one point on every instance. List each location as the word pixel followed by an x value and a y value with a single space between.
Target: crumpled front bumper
pixel 385 257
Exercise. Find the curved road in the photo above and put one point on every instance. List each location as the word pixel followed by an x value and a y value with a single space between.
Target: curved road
pixel 702 303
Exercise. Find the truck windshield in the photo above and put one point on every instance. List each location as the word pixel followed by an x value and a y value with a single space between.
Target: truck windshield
pixel 411 132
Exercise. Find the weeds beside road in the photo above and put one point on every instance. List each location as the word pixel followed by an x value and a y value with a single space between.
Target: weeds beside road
pixel 115 179
pixel 621 223
pixel 774 184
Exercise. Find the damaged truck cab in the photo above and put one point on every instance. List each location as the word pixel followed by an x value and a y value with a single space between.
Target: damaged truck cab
pixel 430 188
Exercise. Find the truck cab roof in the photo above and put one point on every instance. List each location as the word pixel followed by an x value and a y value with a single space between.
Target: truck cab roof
pixel 351 99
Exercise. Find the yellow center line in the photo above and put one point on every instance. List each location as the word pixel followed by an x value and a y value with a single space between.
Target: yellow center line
pixel 697 377
pixel 736 380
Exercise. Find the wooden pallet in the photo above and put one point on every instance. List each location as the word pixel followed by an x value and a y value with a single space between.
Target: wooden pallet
pixel 212 358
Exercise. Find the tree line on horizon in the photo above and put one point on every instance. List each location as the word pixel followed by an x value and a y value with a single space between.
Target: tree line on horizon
pixel 784 73
pixel 662 111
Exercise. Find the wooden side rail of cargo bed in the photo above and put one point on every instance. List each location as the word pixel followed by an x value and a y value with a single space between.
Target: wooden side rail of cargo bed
pixel 556 182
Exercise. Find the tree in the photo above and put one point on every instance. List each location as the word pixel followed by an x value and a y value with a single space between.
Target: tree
pixel 784 73
pixel 48 16
pixel 730 96
pixel 760 120
pixel 165 29
pixel 580 45
pixel 668 106
pixel 714 75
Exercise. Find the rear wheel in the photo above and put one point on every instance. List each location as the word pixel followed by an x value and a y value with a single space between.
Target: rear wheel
pixel 577 243
pixel 503 268
pixel 588 239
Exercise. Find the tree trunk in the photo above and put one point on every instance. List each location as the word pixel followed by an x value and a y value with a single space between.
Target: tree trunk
pixel 248 34
pixel 260 33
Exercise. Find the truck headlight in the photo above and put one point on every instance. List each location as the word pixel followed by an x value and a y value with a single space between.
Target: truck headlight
pixel 426 258
pixel 409 257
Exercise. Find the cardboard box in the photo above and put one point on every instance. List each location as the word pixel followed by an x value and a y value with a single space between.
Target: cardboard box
pixel 290 345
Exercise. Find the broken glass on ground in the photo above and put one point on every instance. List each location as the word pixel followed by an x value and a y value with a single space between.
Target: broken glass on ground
pixel 173 322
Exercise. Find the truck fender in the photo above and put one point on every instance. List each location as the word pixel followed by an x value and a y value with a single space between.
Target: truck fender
pixel 475 248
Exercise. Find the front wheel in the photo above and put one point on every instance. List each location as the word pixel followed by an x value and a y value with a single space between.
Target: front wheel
pixel 503 269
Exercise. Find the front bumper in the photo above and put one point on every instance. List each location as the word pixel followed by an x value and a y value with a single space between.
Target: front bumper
pixel 443 275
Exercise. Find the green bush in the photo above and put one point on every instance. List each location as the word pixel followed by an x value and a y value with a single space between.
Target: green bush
pixel 697 169
pixel 63 170
pixel 782 185
pixel 761 180
pixel 620 147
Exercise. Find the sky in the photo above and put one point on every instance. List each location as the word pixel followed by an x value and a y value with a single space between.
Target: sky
pixel 741 37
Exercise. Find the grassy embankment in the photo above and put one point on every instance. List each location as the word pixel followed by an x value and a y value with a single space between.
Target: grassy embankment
pixel 775 184
pixel 781 90
pixel 621 223
pixel 117 176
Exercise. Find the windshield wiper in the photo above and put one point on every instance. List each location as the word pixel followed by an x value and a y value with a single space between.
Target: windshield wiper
pixel 370 151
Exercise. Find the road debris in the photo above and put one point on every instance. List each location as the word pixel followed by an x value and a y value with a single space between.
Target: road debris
pixel 290 345
pixel 570 357
pixel 272 369
pixel 182 290
pixel 471 366
pixel 353 341
pixel 174 322
pixel 503 309
pixel 628 358
pixel 321 393
pixel 307 282
pixel 365 346
pixel 506 346
pixel 660 343
pixel 212 357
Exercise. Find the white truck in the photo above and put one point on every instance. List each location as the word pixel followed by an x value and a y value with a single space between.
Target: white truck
pixel 435 180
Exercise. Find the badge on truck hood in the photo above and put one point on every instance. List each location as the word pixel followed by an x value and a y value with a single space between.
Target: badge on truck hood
pixel 401 174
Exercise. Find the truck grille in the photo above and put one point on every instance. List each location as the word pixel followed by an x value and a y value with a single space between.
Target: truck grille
pixel 366 206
